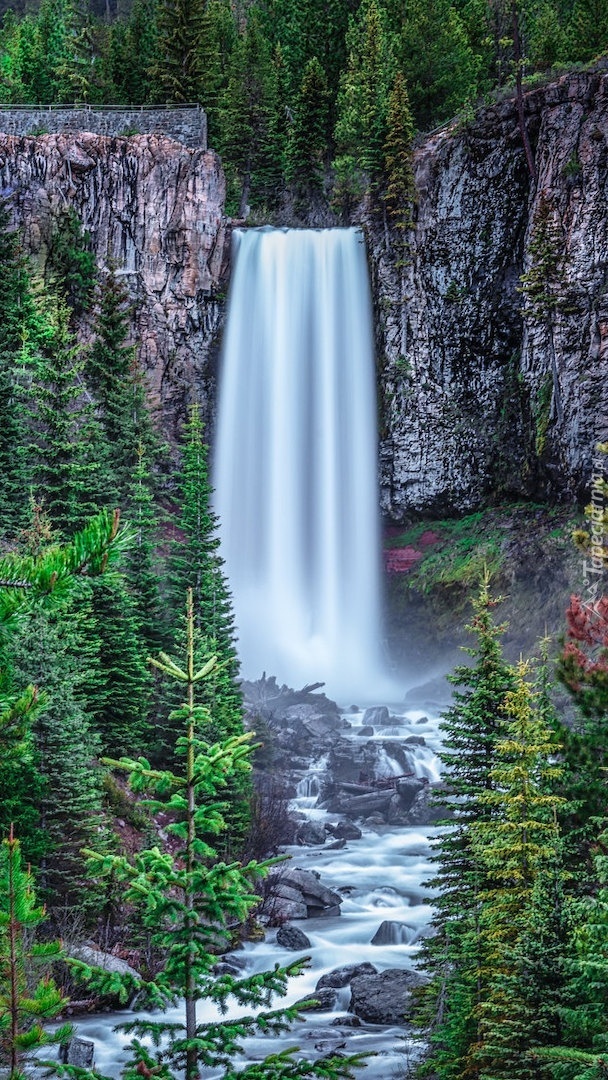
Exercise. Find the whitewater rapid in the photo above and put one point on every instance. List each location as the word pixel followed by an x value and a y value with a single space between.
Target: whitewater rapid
pixel 381 876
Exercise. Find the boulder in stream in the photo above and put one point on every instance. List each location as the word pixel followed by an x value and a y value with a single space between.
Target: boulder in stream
pixel 290 937
pixel 78 1052
pixel 343 976
pixel 106 961
pixel 407 788
pixel 293 893
pixel 377 716
pixel 384 998
pixel 393 933
pixel 311 834
pixel 345 830
pixel 325 1000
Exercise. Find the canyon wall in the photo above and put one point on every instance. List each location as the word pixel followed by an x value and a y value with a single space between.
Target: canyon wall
pixel 487 392
pixel 484 393
pixel 154 208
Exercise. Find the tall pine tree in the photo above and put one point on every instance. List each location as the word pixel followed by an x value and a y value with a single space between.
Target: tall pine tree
pixel 178 71
pixel 472 728
pixel 188 896
pixel 364 91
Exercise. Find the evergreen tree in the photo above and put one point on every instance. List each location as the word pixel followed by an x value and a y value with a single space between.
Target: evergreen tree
pixel 219 38
pixel 27 580
pixel 188 897
pixel 48 652
pixel 308 136
pixel 72 261
pixel 453 956
pixel 66 452
pixel 11 84
pixel 364 91
pixel 249 117
pixel 520 849
pixel 178 72
pixel 16 315
pixel 142 569
pixel 197 564
pixel 113 376
pixel 589 29
pixel 437 61
pixel 398 156
pixel 583 1050
pixel 85 73
pixel 133 49
pixel 310 28
pixel 36 584
pixel 548 38
pixel 24 1008
pixel 21 782
pixel 45 48
pixel 117 694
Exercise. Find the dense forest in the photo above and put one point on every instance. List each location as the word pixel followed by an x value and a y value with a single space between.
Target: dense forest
pixel 127 807
pixel 321 96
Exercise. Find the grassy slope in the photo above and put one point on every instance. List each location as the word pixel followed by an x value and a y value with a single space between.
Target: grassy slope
pixel 529 552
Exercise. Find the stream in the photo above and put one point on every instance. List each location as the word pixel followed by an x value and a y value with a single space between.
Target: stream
pixel 381 877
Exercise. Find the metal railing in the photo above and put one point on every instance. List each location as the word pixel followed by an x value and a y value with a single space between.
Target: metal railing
pixel 86 107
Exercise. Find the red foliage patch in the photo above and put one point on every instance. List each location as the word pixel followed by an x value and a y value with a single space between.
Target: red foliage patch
pixel 401 560
pixel 583 667
pixel 428 538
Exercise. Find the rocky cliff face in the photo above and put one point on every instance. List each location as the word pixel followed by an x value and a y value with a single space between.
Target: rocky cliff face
pixel 154 208
pixel 484 392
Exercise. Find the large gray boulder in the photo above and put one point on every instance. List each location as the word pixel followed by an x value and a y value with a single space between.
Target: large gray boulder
pixel 311 834
pixel 346 830
pixel 293 893
pixel 106 961
pixel 290 937
pixel 393 933
pixel 78 1052
pixel 377 716
pixel 384 998
pixel 343 976
pixel 407 788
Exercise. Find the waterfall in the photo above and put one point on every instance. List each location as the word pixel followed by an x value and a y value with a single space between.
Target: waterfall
pixel 295 460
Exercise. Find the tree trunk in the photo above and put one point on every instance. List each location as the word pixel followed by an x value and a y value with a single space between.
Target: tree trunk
pixel 14 978
pixel 190 995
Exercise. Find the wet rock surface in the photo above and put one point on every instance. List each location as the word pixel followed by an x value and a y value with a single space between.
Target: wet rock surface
pixel 344 976
pixel 155 209
pixel 294 893
pixel 384 997
pixel 291 937
pixel 458 339
pixel 320 752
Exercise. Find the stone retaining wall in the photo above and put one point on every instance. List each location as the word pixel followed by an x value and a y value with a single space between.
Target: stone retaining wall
pixel 187 124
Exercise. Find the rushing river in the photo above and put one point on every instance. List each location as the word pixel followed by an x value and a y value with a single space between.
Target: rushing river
pixel 381 876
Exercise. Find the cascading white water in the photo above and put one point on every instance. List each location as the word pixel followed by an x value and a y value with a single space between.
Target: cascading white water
pixel 295 460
